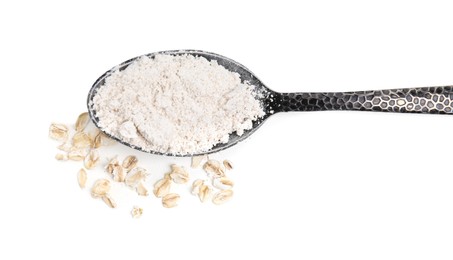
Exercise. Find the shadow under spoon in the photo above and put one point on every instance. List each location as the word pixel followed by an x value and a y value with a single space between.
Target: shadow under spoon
pixel 426 100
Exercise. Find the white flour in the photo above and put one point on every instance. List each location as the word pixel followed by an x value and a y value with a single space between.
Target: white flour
pixel 175 104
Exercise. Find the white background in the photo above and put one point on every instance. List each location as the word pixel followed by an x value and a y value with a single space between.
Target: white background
pixel 315 185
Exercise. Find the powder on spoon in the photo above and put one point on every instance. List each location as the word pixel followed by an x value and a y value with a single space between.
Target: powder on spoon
pixel 175 104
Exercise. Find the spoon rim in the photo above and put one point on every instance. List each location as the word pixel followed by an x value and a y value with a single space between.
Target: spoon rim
pixel 222 146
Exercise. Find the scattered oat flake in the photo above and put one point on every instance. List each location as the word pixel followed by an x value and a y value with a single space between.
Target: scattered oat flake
pixel 214 167
pixel 97 141
pixel 77 155
pixel 61 157
pixel 204 193
pixel 179 178
pixel 178 169
pixel 83 148
pixel 222 197
pixel 197 160
pixel 179 174
pixel 170 200
pixel 162 187
pixel 222 183
pixel 141 189
pixel 81 140
pixel 111 165
pixel 65 147
pixel 92 159
pixel 82 121
pixel 228 165
pixel 136 212
pixel 220 172
pixel 196 186
pixel 211 166
pixel 82 178
pixel 119 174
pixel 100 188
pixel 135 176
pixel 58 132
pixel 109 201
pixel 130 162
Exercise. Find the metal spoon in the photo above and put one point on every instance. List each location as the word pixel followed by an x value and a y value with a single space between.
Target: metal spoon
pixel 427 100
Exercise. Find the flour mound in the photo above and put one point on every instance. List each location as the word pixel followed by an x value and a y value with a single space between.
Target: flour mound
pixel 175 104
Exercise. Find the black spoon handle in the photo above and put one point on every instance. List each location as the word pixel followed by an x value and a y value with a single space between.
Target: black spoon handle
pixel 432 100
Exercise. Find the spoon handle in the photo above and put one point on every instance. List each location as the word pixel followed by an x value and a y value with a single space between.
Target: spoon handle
pixel 431 100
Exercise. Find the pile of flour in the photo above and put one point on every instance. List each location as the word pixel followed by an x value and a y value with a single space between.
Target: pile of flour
pixel 175 104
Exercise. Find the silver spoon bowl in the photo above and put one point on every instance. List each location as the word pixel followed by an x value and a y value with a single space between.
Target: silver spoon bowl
pixel 426 100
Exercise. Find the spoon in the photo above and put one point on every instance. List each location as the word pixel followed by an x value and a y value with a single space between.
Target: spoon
pixel 426 100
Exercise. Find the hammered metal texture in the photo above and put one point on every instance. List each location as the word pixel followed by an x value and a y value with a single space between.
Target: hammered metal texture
pixel 432 100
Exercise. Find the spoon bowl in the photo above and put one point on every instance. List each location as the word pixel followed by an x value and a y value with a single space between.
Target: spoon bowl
pixel 427 100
